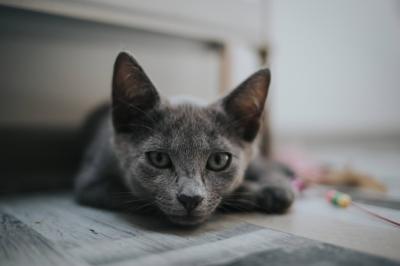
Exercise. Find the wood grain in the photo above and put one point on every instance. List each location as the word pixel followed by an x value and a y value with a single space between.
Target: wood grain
pixel 51 229
pixel 20 245
pixel 100 236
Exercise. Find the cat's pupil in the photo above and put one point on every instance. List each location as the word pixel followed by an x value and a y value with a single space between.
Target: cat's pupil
pixel 218 159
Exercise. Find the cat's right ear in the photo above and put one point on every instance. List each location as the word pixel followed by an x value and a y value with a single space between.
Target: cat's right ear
pixel 133 94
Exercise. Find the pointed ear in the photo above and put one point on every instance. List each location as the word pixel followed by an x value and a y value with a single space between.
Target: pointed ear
pixel 245 104
pixel 133 94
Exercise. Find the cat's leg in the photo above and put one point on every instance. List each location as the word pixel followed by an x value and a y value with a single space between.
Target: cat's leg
pixel 275 194
pixel 244 198
pixel 98 190
pixel 104 190
pixel 98 183
pixel 267 187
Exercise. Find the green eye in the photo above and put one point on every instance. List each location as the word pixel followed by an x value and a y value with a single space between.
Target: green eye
pixel 219 161
pixel 159 159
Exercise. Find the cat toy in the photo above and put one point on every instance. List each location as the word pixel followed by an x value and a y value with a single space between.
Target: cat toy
pixel 339 199
pixel 343 200
pixel 309 172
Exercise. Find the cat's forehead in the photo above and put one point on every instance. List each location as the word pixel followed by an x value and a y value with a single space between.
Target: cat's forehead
pixel 188 116
pixel 188 125
pixel 186 99
pixel 188 119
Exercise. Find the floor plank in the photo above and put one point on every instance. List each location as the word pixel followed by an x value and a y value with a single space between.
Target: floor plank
pixel 20 245
pixel 45 215
pixel 100 237
pixel 350 228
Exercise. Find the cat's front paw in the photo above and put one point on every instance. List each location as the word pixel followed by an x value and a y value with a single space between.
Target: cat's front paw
pixel 275 199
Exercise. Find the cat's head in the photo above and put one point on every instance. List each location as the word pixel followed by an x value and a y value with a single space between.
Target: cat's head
pixel 184 158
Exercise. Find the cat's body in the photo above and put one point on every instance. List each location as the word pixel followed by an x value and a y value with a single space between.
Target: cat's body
pixel 180 157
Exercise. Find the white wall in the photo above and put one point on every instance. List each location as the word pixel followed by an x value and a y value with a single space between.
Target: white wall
pixel 54 70
pixel 336 67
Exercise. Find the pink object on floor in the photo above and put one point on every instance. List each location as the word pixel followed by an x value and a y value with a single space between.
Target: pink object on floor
pixel 303 166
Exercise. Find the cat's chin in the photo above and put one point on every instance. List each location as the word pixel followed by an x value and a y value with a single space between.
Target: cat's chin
pixel 187 220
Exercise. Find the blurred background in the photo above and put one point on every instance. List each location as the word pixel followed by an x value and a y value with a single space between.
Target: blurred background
pixel 335 73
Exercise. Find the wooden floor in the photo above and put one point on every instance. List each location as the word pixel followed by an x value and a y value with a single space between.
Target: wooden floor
pixel 51 229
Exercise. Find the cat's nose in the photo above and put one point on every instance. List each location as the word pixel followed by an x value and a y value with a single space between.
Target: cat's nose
pixel 189 202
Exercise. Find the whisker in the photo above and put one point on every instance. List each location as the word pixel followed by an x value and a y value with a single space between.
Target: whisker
pixel 143 126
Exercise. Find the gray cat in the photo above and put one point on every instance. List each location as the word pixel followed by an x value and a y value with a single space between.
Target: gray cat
pixel 181 159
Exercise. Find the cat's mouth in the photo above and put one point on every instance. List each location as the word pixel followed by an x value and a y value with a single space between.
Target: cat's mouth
pixel 187 219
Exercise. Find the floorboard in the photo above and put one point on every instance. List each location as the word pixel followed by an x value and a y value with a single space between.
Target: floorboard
pixel 51 229
pixel 20 245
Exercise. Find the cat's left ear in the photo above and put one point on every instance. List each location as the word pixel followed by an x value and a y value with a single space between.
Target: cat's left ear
pixel 245 104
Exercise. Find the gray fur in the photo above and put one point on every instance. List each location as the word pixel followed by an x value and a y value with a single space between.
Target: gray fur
pixel 116 172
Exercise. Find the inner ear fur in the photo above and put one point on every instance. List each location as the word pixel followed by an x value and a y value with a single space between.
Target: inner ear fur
pixel 133 94
pixel 245 104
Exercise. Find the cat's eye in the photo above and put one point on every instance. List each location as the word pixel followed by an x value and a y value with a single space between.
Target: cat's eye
pixel 159 159
pixel 219 161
